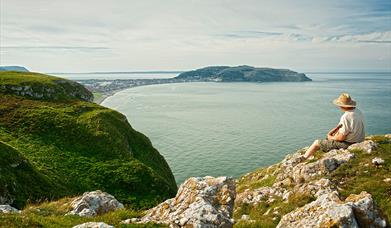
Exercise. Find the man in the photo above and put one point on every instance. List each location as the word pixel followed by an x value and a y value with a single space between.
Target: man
pixel 350 128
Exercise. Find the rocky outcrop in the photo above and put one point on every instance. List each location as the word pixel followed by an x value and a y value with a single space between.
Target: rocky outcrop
pixel 94 203
pixel 329 211
pixel 8 209
pixel 93 225
pixel 299 177
pixel 367 146
pixel 200 202
pixel 294 167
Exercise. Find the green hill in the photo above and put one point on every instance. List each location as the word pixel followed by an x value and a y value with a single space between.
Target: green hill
pixel 71 145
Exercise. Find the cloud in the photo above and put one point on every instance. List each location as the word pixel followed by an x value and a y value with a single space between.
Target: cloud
pixel 177 34
pixel 54 48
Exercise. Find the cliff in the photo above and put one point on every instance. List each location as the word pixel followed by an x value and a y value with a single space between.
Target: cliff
pixel 243 74
pixel 337 188
pixel 62 145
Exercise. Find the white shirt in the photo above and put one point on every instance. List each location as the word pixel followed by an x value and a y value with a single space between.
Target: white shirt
pixel 353 126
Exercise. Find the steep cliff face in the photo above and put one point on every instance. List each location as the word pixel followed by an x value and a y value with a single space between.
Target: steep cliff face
pixel 77 145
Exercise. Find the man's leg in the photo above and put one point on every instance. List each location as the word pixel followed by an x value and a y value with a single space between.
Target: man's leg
pixel 312 149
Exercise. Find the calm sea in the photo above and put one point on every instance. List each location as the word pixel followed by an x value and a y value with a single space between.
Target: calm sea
pixel 233 128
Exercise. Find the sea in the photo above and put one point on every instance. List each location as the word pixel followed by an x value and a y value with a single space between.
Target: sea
pixel 229 129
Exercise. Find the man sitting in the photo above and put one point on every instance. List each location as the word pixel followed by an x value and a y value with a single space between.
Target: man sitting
pixel 349 130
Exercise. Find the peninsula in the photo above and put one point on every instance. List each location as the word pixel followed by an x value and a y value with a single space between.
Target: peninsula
pixel 105 88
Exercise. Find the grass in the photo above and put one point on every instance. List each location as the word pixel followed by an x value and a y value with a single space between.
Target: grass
pixel 73 146
pixel 263 214
pixel 262 177
pixel 51 215
pixel 361 175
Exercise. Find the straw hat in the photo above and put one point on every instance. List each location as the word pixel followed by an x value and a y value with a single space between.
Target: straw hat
pixel 344 100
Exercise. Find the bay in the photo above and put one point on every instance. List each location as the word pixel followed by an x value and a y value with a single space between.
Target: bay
pixel 233 128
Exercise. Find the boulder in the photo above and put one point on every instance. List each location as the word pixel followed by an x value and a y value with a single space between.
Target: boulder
pixel 8 209
pixel 200 202
pixel 365 210
pixel 93 225
pixel 367 146
pixel 300 170
pixel 94 203
pixel 329 211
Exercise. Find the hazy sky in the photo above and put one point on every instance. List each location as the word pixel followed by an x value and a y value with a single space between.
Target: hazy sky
pixel 121 35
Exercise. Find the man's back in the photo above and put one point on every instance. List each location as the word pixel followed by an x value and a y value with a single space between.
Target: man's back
pixel 353 126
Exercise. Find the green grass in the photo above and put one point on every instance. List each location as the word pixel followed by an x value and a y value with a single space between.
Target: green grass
pixel 262 177
pixel 75 146
pixel 51 215
pixel 361 175
pixel 260 213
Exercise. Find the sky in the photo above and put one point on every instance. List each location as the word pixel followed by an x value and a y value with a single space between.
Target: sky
pixel 130 35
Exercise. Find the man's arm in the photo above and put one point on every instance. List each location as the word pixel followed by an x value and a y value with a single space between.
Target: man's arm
pixel 337 137
pixel 334 134
pixel 334 130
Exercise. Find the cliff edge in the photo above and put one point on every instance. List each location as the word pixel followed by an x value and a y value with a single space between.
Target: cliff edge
pixel 67 145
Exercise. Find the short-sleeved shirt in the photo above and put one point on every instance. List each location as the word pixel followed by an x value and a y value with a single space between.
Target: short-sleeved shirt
pixel 353 126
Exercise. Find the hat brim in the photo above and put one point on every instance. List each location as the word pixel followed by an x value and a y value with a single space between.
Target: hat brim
pixel 340 104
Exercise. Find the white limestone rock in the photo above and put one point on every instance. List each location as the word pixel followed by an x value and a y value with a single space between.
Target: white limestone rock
pixel 8 209
pixel 94 203
pixel 200 202
pixel 378 161
pixel 329 211
pixel 300 170
pixel 93 225
pixel 367 146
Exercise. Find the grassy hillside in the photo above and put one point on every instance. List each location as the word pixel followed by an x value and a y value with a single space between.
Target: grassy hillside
pixel 78 145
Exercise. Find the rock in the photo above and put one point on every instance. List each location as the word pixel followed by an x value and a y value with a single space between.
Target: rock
pixel 245 217
pixel 365 211
pixel 94 203
pixel 259 194
pixel 299 170
pixel 200 202
pixel 93 225
pixel 8 209
pixel 315 188
pixel 329 211
pixel 367 146
pixel 377 161
pixel 387 180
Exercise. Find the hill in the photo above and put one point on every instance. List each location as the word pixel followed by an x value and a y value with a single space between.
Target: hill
pixel 71 145
pixel 243 74
pixel 13 68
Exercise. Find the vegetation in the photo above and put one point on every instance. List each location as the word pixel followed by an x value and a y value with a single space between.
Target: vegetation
pixel 51 215
pixel 352 177
pixel 361 175
pixel 72 146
